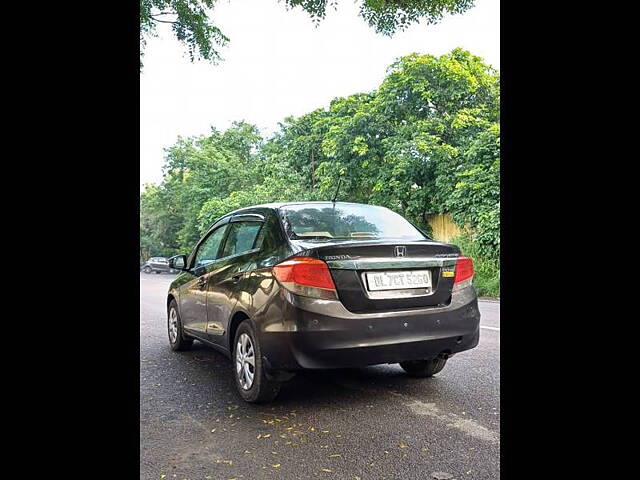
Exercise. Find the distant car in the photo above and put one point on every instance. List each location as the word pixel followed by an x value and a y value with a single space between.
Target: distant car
pixel 157 265
pixel 284 287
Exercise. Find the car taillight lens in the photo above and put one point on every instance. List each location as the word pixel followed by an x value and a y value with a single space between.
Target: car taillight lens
pixel 464 272
pixel 306 276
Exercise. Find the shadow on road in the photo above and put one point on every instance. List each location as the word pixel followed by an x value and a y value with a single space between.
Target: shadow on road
pixel 309 388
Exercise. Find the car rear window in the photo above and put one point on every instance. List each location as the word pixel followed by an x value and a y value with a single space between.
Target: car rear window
pixel 346 222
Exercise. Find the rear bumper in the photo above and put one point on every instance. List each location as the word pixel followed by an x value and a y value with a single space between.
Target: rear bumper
pixel 319 334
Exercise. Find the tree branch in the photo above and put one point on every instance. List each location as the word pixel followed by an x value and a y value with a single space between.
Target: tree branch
pixel 158 20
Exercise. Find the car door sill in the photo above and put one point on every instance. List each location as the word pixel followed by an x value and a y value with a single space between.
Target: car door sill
pixel 209 343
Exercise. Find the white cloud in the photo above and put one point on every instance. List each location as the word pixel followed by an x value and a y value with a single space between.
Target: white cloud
pixel 278 64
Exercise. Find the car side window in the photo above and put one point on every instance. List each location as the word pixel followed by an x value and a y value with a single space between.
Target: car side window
pixel 241 238
pixel 268 238
pixel 208 250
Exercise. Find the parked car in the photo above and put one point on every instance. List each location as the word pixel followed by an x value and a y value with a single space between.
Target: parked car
pixel 316 285
pixel 157 265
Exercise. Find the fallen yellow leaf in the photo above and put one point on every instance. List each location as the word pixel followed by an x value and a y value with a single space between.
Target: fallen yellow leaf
pixel 326 470
pixel 276 465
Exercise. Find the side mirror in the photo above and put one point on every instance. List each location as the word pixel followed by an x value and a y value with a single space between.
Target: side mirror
pixel 178 262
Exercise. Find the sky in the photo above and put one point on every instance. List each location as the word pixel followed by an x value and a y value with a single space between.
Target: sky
pixel 278 64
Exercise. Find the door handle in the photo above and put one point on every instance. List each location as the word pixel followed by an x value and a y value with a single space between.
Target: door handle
pixel 202 282
pixel 236 278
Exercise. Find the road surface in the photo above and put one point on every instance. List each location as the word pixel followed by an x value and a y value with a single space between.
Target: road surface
pixel 370 423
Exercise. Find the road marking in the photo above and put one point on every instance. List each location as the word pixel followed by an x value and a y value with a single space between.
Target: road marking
pixel 466 425
pixel 490 328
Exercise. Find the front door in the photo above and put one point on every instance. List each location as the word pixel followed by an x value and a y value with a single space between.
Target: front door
pixel 193 294
pixel 225 282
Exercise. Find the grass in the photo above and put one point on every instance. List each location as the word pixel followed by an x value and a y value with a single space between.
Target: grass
pixel 486 277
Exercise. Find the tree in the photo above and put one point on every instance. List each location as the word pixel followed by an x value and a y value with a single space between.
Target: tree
pixel 196 170
pixel 388 16
pixel 191 22
pixel 426 141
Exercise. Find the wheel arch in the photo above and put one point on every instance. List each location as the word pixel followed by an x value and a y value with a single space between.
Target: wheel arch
pixel 171 297
pixel 236 319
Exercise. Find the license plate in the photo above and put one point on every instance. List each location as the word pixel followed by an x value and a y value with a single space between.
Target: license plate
pixel 402 280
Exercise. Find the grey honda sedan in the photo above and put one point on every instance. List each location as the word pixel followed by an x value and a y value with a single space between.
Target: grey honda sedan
pixel 319 285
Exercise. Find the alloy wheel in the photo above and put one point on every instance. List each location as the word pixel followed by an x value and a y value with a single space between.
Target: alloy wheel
pixel 245 361
pixel 173 325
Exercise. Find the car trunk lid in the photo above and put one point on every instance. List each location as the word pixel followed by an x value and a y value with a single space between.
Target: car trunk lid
pixel 374 276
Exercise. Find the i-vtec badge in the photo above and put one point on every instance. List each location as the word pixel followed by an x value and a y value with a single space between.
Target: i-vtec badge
pixel 400 251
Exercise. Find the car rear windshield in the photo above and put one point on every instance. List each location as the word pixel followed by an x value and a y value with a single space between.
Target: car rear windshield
pixel 321 222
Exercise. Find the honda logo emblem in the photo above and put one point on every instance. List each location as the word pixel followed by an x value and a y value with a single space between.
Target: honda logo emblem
pixel 401 251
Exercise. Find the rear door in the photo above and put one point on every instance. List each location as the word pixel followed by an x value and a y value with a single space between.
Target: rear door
pixel 238 256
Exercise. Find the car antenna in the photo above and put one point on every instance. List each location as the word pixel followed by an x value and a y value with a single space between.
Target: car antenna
pixel 337 190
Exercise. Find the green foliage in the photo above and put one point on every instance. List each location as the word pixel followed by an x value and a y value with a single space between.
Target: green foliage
pixel 486 277
pixel 426 141
pixel 281 184
pixel 198 169
pixel 191 23
pixel 388 16
pixel 475 199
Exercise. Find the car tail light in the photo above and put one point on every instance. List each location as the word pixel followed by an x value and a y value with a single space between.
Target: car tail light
pixel 306 276
pixel 464 273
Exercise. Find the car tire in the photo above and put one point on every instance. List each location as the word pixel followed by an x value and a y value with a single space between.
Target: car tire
pixel 177 338
pixel 146 270
pixel 260 388
pixel 424 368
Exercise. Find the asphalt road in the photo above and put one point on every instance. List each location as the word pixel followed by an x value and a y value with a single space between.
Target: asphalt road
pixel 371 423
